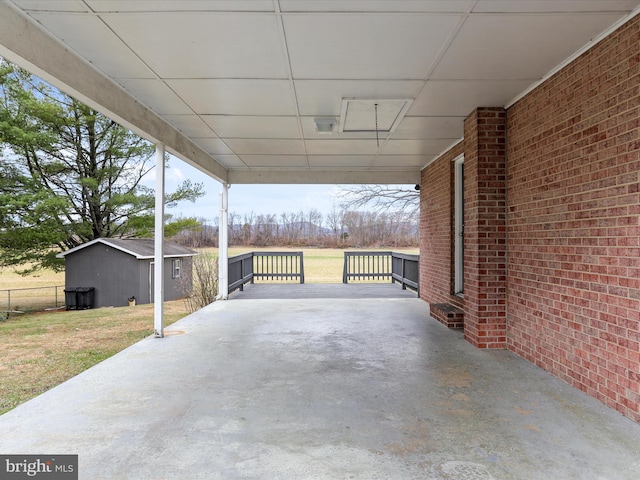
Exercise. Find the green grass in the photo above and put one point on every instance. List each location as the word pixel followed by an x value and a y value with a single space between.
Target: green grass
pixel 40 351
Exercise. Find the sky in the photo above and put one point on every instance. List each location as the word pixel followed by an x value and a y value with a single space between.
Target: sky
pixel 244 199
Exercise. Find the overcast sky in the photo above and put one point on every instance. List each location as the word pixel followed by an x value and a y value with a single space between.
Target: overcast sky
pixel 244 199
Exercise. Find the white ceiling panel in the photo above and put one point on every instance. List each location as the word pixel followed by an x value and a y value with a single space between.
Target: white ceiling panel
pixel 190 125
pixel 340 46
pixel 244 80
pixel 416 161
pixel 416 147
pixel 231 161
pixel 309 131
pixel 53 5
pixel 232 126
pixel 299 161
pixel 437 97
pixel 213 146
pixel 429 127
pixel 424 6
pixel 180 5
pixel 92 39
pixel 324 97
pixel 341 147
pixel 243 146
pixel 548 40
pixel 226 45
pixel 236 97
pixel 372 115
pixel 545 6
pixel 332 161
pixel 156 95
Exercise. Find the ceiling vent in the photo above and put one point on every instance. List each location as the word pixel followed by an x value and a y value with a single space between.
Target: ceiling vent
pixel 359 115
pixel 325 125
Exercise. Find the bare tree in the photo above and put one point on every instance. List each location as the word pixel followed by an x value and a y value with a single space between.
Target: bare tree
pixel 204 285
pixel 334 221
pixel 381 198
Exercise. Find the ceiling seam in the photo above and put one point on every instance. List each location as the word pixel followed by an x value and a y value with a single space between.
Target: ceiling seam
pixel 160 79
pixel 292 86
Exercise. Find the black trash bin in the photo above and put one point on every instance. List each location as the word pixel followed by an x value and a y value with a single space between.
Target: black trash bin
pixel 85 297
pixel 70 298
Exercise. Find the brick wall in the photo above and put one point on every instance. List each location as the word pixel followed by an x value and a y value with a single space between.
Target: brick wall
pixel 573 216
pixel 436 230
pixel 485 228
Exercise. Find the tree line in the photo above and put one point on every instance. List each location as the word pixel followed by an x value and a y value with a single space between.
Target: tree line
pixel 340 228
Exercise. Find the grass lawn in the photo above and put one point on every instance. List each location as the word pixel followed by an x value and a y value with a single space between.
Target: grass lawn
pixel 41 350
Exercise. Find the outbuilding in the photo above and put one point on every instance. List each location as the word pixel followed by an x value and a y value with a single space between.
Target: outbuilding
pixel 120 271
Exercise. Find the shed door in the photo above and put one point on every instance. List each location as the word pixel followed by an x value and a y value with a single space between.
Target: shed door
pixel 151 278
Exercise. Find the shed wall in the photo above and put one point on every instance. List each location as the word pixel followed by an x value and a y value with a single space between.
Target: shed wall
pixel 113 273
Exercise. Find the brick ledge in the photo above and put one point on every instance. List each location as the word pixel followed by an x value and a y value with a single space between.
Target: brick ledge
pixel 447 314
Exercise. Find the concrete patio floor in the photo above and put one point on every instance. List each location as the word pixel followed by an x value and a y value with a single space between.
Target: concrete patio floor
pixel 322 388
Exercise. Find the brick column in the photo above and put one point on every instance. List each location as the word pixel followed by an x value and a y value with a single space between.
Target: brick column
pixel 485 228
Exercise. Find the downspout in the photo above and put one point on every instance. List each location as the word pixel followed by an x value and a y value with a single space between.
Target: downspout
pixel 223 245
pixel 158 272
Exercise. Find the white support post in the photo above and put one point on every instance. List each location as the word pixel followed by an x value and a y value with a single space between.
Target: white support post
pixel 158 271
pixel 223 245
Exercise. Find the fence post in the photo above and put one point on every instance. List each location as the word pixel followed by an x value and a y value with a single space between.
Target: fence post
pixel 301 267
pixel 344 269
pixel 404 285
pixel 8 303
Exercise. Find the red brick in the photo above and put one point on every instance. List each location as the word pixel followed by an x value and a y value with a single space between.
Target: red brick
pixel 552 224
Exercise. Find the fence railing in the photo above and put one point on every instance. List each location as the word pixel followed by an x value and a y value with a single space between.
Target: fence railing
pixel 269 266
pixel 406 270
pixel 381 266
pixel 20 300
pixel 240 271
pixel 366 266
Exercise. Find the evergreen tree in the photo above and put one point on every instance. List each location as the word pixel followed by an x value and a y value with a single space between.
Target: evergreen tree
pixel 68 175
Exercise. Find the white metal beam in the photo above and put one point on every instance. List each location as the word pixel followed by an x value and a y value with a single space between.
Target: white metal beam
pixel 390 177
pixel 158 283
pixel 223 245
pixel 24 43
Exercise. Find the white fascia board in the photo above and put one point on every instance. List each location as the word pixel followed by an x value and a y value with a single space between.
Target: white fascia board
pixel 390 177
pixel 151 257
pixel 79 247
pixel 24 43
pixel 104 241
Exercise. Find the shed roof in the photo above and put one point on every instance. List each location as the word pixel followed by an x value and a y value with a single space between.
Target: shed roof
pixel 141 248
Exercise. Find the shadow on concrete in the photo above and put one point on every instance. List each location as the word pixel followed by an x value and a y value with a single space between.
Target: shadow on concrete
pixel 294 291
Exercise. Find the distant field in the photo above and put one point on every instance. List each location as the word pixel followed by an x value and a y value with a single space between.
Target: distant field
pixel 29 293
pixel 321 265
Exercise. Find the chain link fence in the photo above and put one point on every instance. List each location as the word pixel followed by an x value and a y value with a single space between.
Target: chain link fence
pixel 23 300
